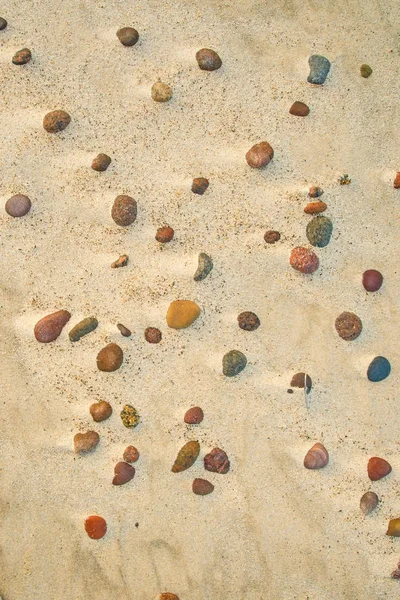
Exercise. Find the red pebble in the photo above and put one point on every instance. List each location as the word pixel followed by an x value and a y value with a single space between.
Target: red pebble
pixel 304 260
pixel 96 527
pixel 372 280
pixel 396 183
pixel 194 416
pixel 378 468
pixel 49 328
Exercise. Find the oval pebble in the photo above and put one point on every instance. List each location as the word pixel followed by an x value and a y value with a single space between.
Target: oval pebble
pixel 161 92
pixel 186 457
pixel 299 109
pixel 319 231
pixel 217 461
pixel 167 596
pixel 95 527
pixel 82 328
pixel 248 321
pixel 319 69
pixel 314 208
pixel 86 442
pixel 101 162
pixel 18 205
pixel 194 415
pixel 378 369
pixel 56 121
pixel 348 325
pixel 22 57
pixel 271 236
pixel 200 185
pixel 100 411
pixel 124 210
pixel 182 313
pixel 131 454
pixel 372 280
pixel 49 328
pixel 124 330
pixel 208 60
pixel 304 260
pixel 110 358
pixel 205 265
pixel 233 363
pixel 123 472
pixel 202 487
pixel 128 36
pixel 368 502
pixel 165 234
pixel 152 335
pixel 259 155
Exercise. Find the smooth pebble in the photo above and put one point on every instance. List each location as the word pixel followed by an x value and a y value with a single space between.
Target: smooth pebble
pixel 233 363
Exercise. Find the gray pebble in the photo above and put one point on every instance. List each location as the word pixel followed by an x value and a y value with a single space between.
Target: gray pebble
pixel 3 25
pixel 319 231
pixel 204 268
pixel 82 328
pixel 319 69
pixel 233 363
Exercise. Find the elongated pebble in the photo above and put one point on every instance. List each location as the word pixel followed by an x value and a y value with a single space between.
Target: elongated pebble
pixel 205 266
pixel 233 363
pixel 124 330
pixel 314 208
pixel 319 69
pixel 82 328
pixel 49 328
pixel 22 57
pixel 186 457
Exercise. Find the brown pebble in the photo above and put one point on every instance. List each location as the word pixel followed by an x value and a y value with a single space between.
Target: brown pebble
pixel 248 321
pixel 124 330
pixel 128 36
pixel 100 411
pixel 164 234
pixel 199 185
pixel 161 92
pixel 18 205
pixel 396 182
pixel 168 596
pixel 122 261
pixel 368 502
pixel 86 442
pixel 22 57
pixel 208 60
pixel 348 326
pixel 304 260
pixel 217 461
pixel 194 415
pixel 271 236
pixel 301 379
pixel 378 468
pixel 315 191
pixel 259 155
pixel 124 210
pixel 152 335
pixel 131 454
pixel 110 358
pixel 314 208
pixel 123 472
pixel 202 487
pixel 186 457
pixel 56 121
pixel 372 280
pixel 3 23
pixel 101 162
pixel 49 328
pixel 299 109
pixel 317 457
pixel 394 528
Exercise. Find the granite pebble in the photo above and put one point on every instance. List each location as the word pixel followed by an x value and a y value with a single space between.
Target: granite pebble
pixel 319 69
pixel 56 121
pixel 204 268
pixel 319 231
pixel 233 363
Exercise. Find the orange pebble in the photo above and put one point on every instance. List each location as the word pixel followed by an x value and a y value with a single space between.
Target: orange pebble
pixel 96 527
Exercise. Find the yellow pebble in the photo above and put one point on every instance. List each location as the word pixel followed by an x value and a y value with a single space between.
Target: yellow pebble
pixel 182 313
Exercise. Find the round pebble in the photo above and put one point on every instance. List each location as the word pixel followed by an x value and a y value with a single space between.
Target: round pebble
pixel 200 185
pixel 161 92
pixel 271 236
pixel 202 487
pixel 314 208
pixel 131 454
pixel 101 162
pixel 22 57
pixel 372 280
pixel 182 313
pixel 315 191
pixel 208 60
pixel 18 205
pixel 124 330
pixel 100 411
pixel 378 369
pixel 365 71
pixel 83 328
pixel 259 155
pixel 299 109
pixel 248 321
pixel 217 461
pixel 50 327
pixel 299 380
pixel 319 231
pixel 348 326
pixel 129 416
pixel 124 210
pixel 86 442
pixel 123 472
pixel 164 234
pixel 128 36
pixel 233 363
pixel 3 23
pixel 95 527
pixel 110 358
pixel 152 335
pixel 194 415
pixel 56 121
pixel 204 268
pixel 304 260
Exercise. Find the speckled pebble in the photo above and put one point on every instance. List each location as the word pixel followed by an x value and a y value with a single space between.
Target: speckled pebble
pixel 56 121
pixel 200 185
pixel 101 162
pixel 271 236
pixel 161 92
pixel 208 60
pixel 82 328
pixel 217 461
pixel 18 205
pixel 304 260
pixel 319 69
pixel 205 265
pixel 22 57
pixel 129 416
pixel 248 321
pixel 233 363
pixel 319 231
pixel 124 210
pixel 131 454
pixel 348 325
pixel 128 36
pixel 152 335
pixel 379 369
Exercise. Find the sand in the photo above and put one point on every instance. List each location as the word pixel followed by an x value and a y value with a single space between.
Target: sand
pixel 271 530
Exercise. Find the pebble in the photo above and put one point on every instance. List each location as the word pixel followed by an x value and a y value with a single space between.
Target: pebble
pixel 394 528
pixel 299 109
pixel 56 121
pixel 123 472
pixel 22 57
pixel 110 358
pixel 271 236
pixel 317 457
pixel 128 36
pixel 379 369
pixel 202 487
pixel 319 231
pixel 396 182
pixel 124 330
pixel 3 23
pixel 315 191
pixel 18 205
pixel 129 416
pixel 313 208
pixel 233 363
pixel 122 261
pixel 348 325
pixel 194 415
pixel 161 92
pixel 186 457
pixel 365 71
pixel 304 260
pixel 82 328
pixel 248 321
pixel 131 454
pixel 100 411
pixel 217 461
pixel 378 468
pixel 204 268
pixel 164 234
pixel 49 328
pixel 372 280
pixel 200 185
pixel 319 69
pixel 96 527
pixel 101 162
pixel 152 335
pixel 86 442
pixel 299 379
pixel 368 502
pixel 259 155
pixel 124 210
pixel 182 313
pixel 208 60
pixel 168 596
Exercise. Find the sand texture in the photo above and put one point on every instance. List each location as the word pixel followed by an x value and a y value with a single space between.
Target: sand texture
pixel 271 530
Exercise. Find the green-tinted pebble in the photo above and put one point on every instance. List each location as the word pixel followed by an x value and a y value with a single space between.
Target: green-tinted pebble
pixel 130 416
pixel 319 231
pixel 233 362
pixel 204 268
pixel 82 328
pixel 365 71
pixel 186 457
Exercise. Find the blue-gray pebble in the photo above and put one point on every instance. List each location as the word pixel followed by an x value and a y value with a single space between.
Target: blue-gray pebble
pixel 319 231
pixel 319 69
pixel 233 363
pixel 379 369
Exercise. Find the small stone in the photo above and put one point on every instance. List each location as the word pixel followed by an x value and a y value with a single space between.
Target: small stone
pixel 379 369
pixel 130 416
pixel 299 380
pixel 368 502
pixel 187 456
pixel 200 185
pixel 86 442
pixel 22 57
pixel 152 335
pixel 164 234
pixel 123 472
pixel 56 121
pixel 304 260
pixel 82 328
pixel 182 313
pixel 110 358
pixel 128 36
pixel 202 487
pixel 315 191
pixel 95 527
pixel 204 268
pixel 319 231
pixel 314 208
pixel 319 69
pixel 100 411
pixel 372 280
pixel 290 391
pixel 365 71
pixel 344 179
pixel 124 210
pixel 18 205
pixel 394 528
pixel 168 596
pixel 49 328
pixel 259 155
pixel 131 454
pixel 248 321
pixel 396 182
pixel 348 326
pixel 194 415
pixel 124 330
pixel 101 162
pixel 217 461
pixel 271 236
pixel 378 468
pixel 233 363
pixel 3 23
pixel 161 92
pixel 122 261
pixel 208 60
pixel 299 109
pixel 317 457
